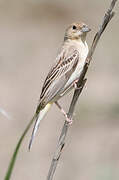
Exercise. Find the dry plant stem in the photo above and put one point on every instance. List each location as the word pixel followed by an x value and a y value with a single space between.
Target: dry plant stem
pixel 107 17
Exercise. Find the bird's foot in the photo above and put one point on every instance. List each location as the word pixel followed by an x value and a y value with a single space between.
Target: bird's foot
pixel 76 86
pixel 68 120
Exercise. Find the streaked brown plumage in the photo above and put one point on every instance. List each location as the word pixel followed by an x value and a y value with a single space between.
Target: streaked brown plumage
pixel 65 71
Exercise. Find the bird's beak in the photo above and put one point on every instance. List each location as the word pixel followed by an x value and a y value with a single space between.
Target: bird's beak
pixel 85 29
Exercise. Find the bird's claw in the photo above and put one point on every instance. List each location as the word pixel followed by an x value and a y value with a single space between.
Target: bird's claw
pixel 68 120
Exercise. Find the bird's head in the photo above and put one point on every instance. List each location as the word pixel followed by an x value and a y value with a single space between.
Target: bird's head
pixel 77 31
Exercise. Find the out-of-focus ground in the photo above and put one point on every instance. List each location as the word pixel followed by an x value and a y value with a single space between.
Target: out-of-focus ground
pixel 30 33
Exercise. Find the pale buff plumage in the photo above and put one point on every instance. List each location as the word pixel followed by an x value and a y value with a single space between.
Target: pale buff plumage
pixel 65 71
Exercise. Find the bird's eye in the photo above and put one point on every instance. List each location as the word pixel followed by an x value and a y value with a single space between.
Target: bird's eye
pixel 74 27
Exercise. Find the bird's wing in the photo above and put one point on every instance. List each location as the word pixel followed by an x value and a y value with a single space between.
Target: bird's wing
pixel 59 75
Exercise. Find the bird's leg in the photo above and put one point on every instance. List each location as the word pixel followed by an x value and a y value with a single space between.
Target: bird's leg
pixel 64 113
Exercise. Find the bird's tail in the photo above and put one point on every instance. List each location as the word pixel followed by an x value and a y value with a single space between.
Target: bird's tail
pixel 38 117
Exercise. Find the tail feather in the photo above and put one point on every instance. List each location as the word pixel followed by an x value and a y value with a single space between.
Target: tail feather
pixel 38 117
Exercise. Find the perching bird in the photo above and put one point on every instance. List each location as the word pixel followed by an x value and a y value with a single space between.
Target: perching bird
pixel 64 73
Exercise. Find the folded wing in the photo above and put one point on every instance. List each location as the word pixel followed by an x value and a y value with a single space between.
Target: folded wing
pixel 58 76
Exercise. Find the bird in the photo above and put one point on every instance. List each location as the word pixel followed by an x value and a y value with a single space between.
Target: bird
pixel 64 73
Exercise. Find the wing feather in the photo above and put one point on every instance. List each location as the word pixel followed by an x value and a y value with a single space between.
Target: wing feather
pixel 58 76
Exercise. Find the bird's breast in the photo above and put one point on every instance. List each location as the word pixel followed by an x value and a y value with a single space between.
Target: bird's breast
pixel 83 52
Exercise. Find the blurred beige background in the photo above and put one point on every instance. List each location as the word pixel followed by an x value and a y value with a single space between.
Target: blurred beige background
pixel 30 33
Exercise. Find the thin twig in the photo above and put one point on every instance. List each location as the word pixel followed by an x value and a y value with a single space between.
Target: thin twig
pixel 61 142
